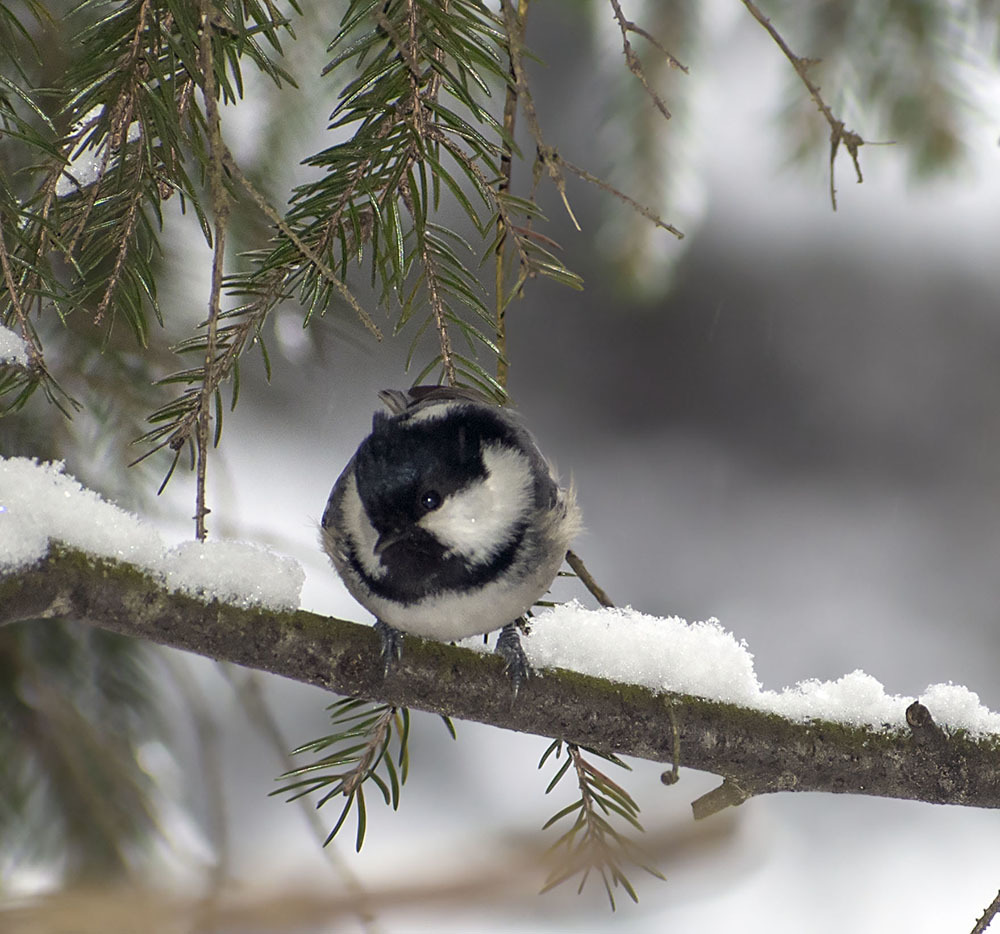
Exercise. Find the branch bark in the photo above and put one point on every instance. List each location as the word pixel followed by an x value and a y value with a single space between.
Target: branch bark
pixel 754 752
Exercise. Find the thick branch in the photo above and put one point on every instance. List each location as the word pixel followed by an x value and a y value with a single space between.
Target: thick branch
pixel 755 752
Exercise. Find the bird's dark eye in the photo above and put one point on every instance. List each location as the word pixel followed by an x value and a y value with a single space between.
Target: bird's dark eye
pixel 430 500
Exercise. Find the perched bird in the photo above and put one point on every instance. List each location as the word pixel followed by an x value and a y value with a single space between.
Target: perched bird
pixel 448 522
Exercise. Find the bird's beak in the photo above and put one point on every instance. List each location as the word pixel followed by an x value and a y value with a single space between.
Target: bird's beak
pixel 387 539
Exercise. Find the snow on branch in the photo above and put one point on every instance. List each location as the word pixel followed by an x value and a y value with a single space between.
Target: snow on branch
pixel 756 752
pixel 40 504
pixel 656 688
pixel 13 349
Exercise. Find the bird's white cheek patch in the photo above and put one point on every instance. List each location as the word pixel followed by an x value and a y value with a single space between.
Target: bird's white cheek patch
pixel 363 533
pixel 479 521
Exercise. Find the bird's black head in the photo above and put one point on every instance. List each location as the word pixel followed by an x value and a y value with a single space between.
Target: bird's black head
pixel 450 489
pixel 408 466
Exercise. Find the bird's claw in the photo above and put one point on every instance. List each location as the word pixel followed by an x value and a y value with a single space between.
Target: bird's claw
pixel 392 644
pixel 509 648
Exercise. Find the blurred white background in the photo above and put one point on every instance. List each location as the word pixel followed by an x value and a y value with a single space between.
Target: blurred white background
pixel 801 439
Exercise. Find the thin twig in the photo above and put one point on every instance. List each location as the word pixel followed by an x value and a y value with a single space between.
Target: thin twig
pixel 511 21
pixel 418 119
pixel 498 203
pixel 652 40
pixel 34 353
pixel 580 765
pixel 991 912
pixel 352 780
pixel 580 570
pixel 275 217
pixel 642 209
pixel 220 208
pixel 34 277
pixel 633 61
pixel 838 132
pixel 516 26
pixel 419 113
pixel 439 312
pixel 88 207
pixel 36 361
pixel 126 230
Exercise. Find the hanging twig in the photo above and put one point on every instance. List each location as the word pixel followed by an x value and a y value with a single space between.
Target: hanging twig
pixel 645 211
pixel 516 24
pixel 838 132
pixel 220 208
pixel 511 22
pixel 633 61
pixel 125 232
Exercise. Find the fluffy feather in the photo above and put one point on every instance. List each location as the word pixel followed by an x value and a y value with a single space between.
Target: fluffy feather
pixel 448 521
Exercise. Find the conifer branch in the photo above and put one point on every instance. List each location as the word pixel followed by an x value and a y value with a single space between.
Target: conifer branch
pixel 36 372
pixel 439 312
pixel 80 226
pixel 352 758
pixel 220 209
pixel 542 149
pixel 124 242
pixel 40 251
pixel 314 257
pixel 13 296
pixel 592 843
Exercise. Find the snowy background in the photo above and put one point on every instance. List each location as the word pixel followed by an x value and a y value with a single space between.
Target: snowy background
pixel 803 441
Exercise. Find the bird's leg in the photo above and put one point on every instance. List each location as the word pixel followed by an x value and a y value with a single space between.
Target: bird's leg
pixel 510 650
pixel 392 644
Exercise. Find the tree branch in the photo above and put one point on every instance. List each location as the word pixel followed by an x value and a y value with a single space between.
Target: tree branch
pixel 838 131
pixel 632 59
pixel 212 372
pixel 987 917
pixel 755 752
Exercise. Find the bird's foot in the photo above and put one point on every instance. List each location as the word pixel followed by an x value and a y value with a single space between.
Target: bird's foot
pixel 392 644
pixel 509 649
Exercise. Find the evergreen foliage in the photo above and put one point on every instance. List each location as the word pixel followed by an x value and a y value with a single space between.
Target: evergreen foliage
pixel 114 118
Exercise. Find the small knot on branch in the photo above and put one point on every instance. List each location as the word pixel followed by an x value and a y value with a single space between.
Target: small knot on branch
pixel 921 723
pixel 728 794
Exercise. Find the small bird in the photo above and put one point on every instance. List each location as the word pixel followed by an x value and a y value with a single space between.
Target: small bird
pixel 448 522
